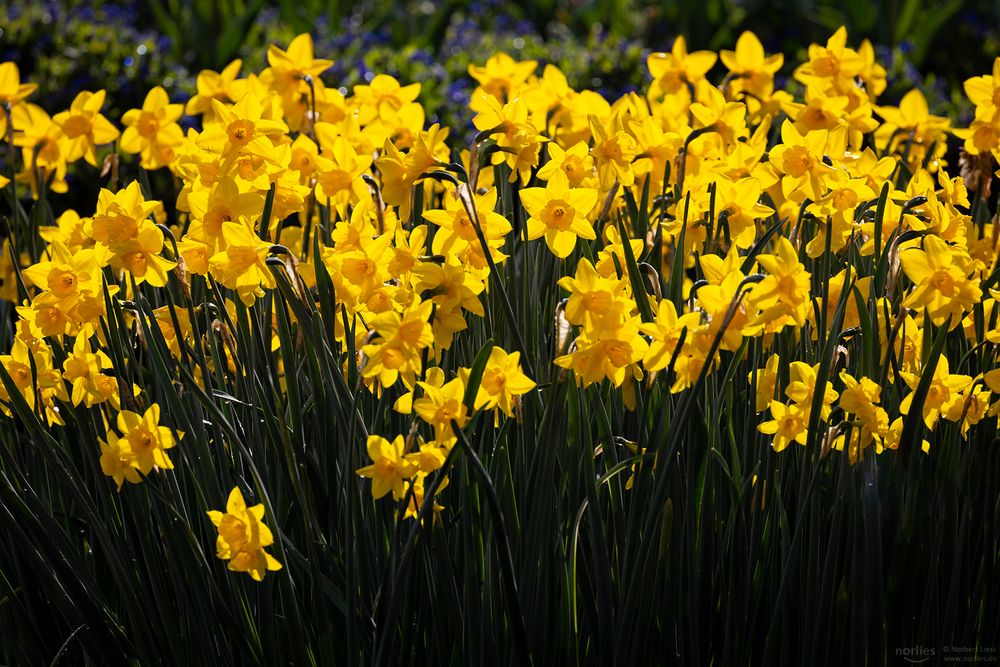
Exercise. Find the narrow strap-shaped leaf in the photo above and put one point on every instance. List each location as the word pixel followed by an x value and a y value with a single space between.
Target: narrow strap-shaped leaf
pixel 913 422
pixel 476 376
pixel 635 277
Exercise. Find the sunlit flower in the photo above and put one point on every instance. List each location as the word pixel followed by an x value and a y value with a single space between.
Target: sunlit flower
pixel 84 127
pixel 788 424
pixel 559 213
pixel 503 382
pixel 942 280
pixel 142 445
pixel 152 131
pixel 389 467
pixel 12 91
pixel 243 537
pixel 439 406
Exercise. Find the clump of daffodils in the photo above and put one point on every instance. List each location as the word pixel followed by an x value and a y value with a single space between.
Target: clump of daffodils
pixel 685 223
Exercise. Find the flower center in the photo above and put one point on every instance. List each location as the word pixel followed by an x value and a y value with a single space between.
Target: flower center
pixel 559 215
pixel 241 258
pixel 336 181
pixel 240 132
pixel 943 282
pixel 62 283
pixel 409 332
pixel 494 381
pixel 619 353
pixel 148 124
pixel 76 126
pixel 141 441
pixel 797 161
pixel 136 262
